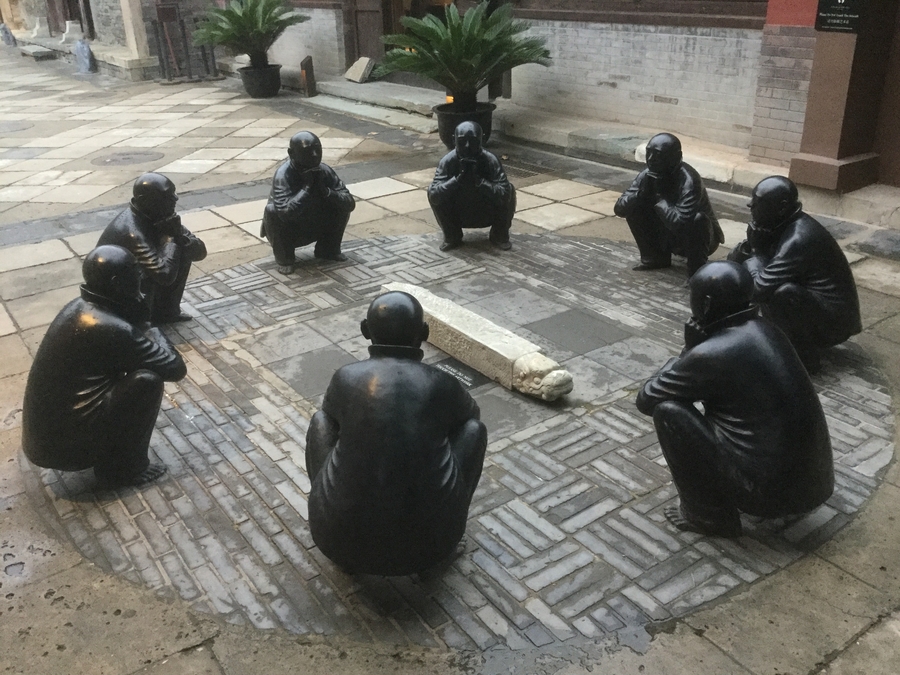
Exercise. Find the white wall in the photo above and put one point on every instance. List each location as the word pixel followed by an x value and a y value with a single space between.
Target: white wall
pixel 322 37
pixel 697 81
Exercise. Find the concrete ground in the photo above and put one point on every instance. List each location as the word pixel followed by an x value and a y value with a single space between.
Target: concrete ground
pixel 211 571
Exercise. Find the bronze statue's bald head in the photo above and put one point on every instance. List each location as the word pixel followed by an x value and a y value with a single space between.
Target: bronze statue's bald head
pixel 395 318
pixel 774 200
pixel 113 272
pixel 305 150
pixel 663 154
pixel 720 289
pixel 154 196
pixel 468 137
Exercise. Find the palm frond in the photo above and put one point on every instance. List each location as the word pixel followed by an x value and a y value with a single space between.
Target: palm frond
pixel 247 26
pixel 464 53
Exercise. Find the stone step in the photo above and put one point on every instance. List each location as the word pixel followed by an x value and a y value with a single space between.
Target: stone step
pixel 384 94
pixel 392 117
pixel 38 53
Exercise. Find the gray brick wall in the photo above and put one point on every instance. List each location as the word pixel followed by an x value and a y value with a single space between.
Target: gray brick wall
pixel 692 80
pixel 108 23
pixel 785 65
pixel 322 37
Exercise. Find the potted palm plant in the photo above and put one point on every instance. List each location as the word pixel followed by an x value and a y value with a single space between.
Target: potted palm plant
pixel 463 54
pixel 250 27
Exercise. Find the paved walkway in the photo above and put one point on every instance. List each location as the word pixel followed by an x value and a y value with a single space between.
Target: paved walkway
pixel 566 537
pixel 568 563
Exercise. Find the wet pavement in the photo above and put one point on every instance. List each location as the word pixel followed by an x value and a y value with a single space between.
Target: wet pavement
pixel 567 558
pixel 566 537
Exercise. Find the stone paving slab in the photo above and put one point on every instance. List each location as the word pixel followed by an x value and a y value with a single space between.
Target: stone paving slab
pixel 566 541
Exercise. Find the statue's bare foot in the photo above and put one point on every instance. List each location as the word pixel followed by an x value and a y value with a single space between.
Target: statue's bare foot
pixel 286 269
pixel 502 245
pixel 448 245
pixel 647 265
pixel 148 475
pixel 174 318
pixel 153 471
pixel 336 257
pixel 676 516
pixel 440 568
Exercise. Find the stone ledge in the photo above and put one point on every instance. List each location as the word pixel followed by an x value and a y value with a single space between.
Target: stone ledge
pixel 477 342
pixel 122 57
pixel 503 356
pixel 119 61
pixel 386 94
pixel 38 53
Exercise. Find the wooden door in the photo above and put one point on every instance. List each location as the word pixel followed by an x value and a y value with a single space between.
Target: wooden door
pixel 369 22
pixel 887 137
pixel 56 16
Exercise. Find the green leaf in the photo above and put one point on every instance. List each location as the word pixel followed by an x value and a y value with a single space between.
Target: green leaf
pixel 247 26
pixel 464 53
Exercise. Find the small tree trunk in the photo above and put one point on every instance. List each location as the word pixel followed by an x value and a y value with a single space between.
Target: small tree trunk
pixel 258 59
pixel 465 100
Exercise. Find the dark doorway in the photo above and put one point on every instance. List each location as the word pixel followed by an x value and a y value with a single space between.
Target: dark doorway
pixel 56 16
pixel 369 22
pixel 887 137
pixel 60 11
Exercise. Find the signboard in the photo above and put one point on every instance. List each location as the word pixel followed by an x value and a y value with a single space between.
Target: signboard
pixel 839 16
pixel 468 377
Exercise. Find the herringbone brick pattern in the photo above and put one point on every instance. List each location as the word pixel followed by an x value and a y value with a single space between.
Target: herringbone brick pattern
pixel 566 537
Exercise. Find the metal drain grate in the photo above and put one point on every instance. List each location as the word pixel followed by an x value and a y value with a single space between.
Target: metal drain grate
pixel 518 169
pixel 126 158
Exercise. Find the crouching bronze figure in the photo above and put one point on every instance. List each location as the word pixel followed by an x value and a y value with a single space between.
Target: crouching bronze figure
pixel 96 383
pixel 395 453
pixel 761 445
pixel 471 190
pixel 801 278
pixel 668 210
pixel 308 203
pixel 165 248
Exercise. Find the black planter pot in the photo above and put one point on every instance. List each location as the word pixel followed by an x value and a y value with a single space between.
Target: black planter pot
pixel 449 117
pixel 261 82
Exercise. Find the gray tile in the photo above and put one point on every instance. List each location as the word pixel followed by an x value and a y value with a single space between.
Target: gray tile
pixel 885 243
pixel 634 357
pixel 310 373
pixel 520 306
pixel 342 325
pixel 579 331
pixel 592 381
pixel 286 342
pixel 505 412
pixel 477 287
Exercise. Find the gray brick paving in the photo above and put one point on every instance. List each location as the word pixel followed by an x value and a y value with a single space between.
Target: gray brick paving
pixel 566 537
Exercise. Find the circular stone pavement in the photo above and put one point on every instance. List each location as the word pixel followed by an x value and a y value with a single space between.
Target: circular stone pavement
pixel 566 540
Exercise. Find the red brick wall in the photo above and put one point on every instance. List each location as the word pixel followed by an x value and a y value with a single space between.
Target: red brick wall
pixel 791 12
pixel 785 66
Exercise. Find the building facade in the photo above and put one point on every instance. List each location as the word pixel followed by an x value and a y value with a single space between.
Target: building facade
pixel 755 75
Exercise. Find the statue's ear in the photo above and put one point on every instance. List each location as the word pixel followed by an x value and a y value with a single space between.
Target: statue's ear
pixel 424 334
pixel 786 207
pixel 707 304
pixel 364 329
